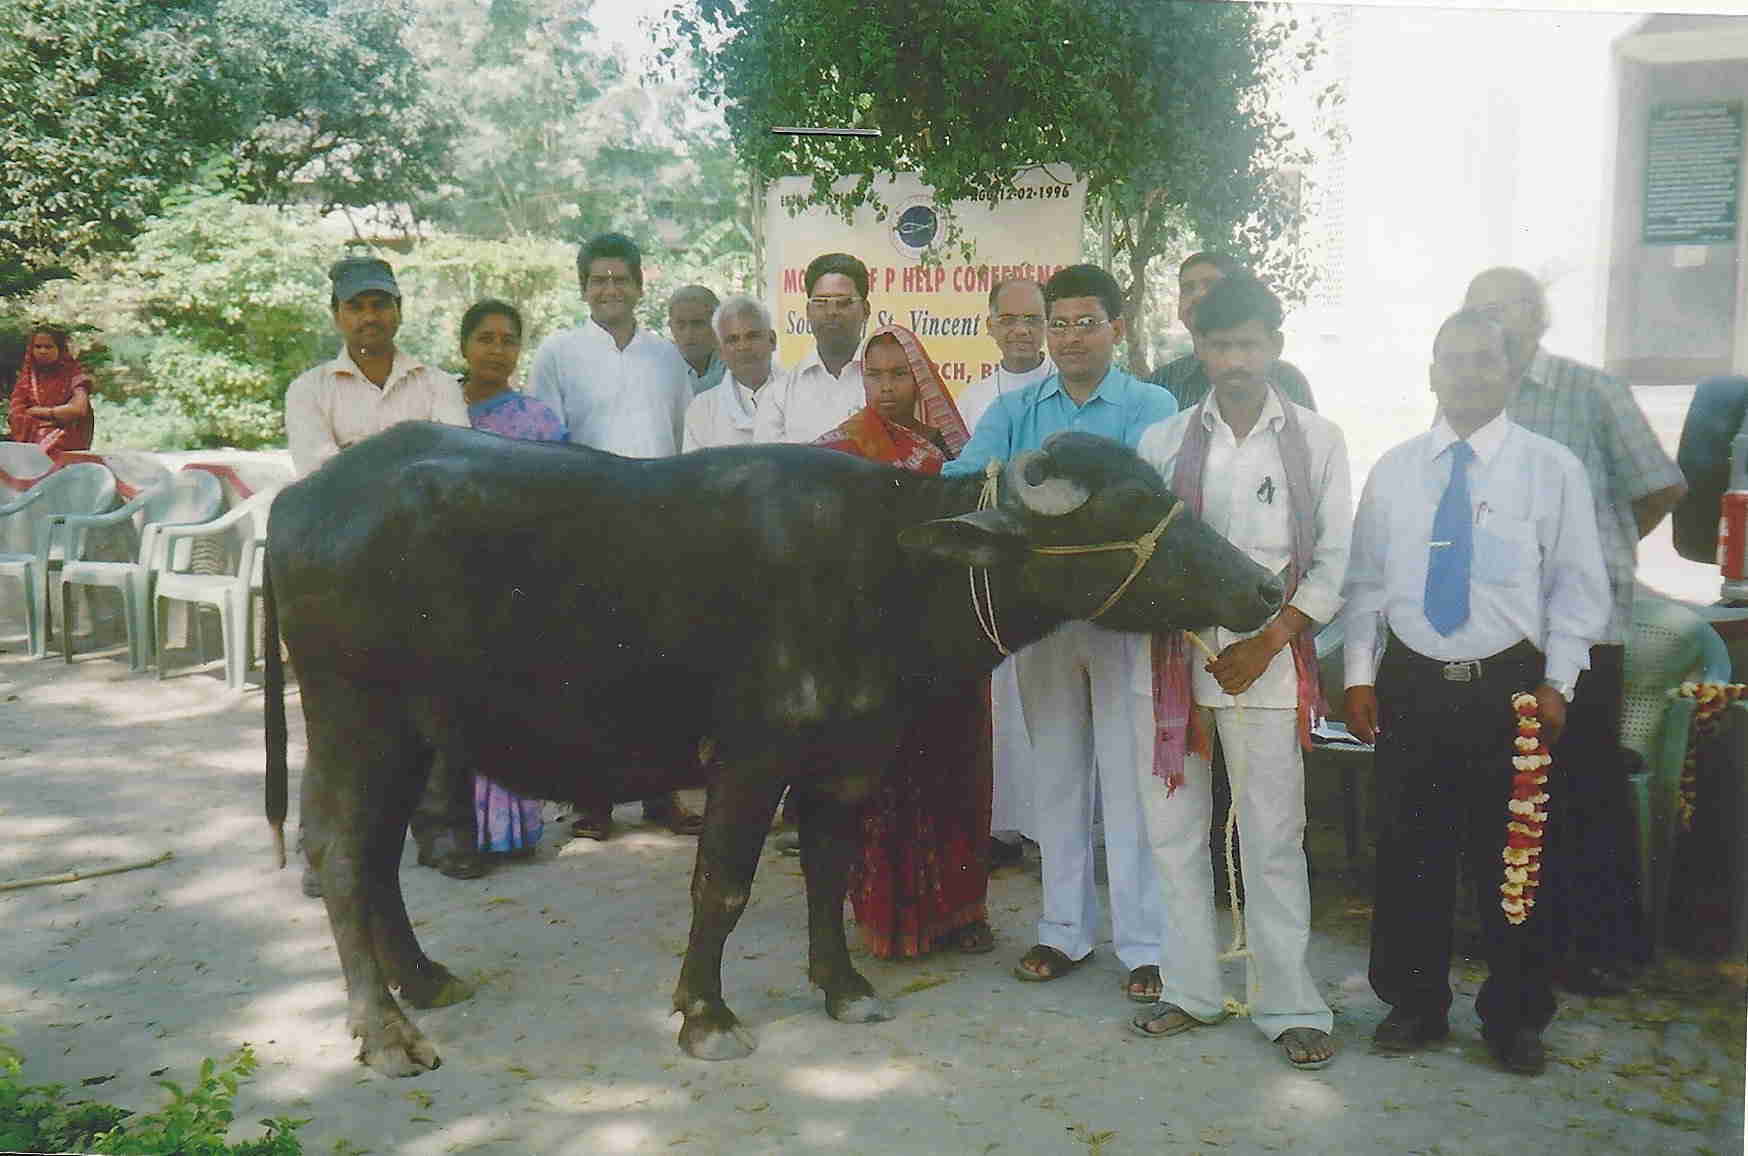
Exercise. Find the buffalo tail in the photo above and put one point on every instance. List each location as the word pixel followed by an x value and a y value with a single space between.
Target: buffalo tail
pixel 274 712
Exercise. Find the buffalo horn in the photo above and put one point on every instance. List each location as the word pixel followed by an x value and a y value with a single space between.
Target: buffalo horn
pixel 1053 495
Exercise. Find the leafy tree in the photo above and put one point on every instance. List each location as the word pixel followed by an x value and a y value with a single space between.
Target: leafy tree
pixel 113 103
pixel 1162 105
pixel 558 138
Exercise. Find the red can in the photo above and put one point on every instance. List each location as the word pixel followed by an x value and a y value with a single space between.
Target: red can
pixel 1733 535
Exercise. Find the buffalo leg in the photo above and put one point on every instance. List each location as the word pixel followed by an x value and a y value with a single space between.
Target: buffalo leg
pixel 830 834
pixel 422 981
pixel 362 755
pixel 737 813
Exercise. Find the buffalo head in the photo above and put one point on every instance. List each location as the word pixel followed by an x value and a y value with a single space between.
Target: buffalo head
pixel 1078 491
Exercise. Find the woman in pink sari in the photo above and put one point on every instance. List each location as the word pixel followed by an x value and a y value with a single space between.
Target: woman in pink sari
pixel 921 880
pixel 51 400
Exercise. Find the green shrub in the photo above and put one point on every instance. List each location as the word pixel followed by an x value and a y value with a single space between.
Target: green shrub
pixel 38 1118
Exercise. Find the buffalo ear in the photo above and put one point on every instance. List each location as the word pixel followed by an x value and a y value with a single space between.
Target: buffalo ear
pixel 986 538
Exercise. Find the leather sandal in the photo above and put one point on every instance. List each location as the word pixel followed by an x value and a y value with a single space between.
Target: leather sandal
pixel 1054 964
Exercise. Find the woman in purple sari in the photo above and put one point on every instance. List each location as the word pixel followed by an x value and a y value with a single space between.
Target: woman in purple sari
pixel 491 343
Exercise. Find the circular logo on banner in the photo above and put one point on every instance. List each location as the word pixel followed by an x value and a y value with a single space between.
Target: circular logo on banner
pixel 917 227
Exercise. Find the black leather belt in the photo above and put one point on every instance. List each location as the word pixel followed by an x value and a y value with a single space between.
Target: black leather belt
pixel 1466 669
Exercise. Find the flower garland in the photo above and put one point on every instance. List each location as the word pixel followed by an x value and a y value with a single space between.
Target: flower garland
pixel 1523 827
pixel 1710 698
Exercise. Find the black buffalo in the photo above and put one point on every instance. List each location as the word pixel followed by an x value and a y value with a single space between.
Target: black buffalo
pixel 579 622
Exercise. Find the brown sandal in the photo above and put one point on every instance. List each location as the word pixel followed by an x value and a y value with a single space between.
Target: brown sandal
pixel 1051 964
pixel 975 938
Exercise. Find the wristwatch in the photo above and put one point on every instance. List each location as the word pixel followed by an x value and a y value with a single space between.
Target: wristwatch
pixel 1566 689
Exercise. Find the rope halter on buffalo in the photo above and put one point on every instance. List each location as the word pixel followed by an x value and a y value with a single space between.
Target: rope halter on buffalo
pixel 983 604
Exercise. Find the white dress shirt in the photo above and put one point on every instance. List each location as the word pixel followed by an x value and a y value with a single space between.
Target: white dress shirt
pixel 1536 573
pixel 723 415
pixel 808 401
pixel 330 407
pixel 629 401
pixel 975 399
pixel 1244 500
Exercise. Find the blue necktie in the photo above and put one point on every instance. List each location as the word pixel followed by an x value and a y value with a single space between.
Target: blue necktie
pixel 1453 544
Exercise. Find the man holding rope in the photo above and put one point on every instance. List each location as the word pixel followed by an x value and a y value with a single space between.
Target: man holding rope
pixel 1475 574
pixel 1272 478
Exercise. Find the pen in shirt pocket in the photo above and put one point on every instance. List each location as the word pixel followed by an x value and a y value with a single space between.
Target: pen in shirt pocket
pixel 1481 513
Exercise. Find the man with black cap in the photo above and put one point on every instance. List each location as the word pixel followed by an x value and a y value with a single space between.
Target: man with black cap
pixel 371 385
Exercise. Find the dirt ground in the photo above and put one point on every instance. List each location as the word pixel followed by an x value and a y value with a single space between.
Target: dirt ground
pixel 568 1046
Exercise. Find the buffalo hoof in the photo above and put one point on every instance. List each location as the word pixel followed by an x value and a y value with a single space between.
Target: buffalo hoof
pixel 715 1036
pixel 397 1048
pixel 437 987
pixel 859 1009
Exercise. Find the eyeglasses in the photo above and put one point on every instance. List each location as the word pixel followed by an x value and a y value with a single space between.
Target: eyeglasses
pixel 1081 325
pixel 834 302
pixel 1015 320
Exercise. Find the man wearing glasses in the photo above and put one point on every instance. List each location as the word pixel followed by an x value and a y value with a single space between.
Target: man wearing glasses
pixel 622 389
pixel 1633 484
pixel 826 387
pixel 1016 322
pixel 1186 376
pixel 1077 686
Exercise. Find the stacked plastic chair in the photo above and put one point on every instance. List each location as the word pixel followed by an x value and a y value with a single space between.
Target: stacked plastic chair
pixel 80 489
pixel 221 575
pixel 188 498
pixel 1670 644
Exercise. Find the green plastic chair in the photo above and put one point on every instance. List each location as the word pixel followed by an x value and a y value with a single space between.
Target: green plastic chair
pixel 85 488
pixel 1670 644
pixel 188 498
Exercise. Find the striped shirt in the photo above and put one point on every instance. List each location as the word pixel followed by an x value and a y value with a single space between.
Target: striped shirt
pixel 1595 416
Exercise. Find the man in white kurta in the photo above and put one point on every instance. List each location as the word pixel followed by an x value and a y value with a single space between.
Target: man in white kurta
pixel 826 386
pixel 1250 695
pixel 622 389
pixel 724 414
pixel 1016 322
pixel 619 387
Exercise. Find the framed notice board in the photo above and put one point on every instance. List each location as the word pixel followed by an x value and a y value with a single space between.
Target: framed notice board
pixel 1693 165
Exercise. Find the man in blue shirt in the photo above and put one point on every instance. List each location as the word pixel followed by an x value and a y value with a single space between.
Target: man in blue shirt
pixel 1077 686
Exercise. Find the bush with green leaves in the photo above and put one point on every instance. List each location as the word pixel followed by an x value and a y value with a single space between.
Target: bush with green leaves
pixel 195 1122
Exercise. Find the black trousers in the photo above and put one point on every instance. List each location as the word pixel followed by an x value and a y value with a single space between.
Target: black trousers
pixel 1592 869
pixel 1447 747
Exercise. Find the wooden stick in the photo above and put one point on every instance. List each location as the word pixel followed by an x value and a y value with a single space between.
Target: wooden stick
pixel 76 876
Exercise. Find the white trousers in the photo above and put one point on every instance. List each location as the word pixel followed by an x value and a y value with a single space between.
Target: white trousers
pixel 1267 772
pixel 1077 686
pixel 1011 803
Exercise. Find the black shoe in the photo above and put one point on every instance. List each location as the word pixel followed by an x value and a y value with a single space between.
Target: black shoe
pixel 1519 1051
pixel 453 861
pixel 1404 1031
pixel 593 823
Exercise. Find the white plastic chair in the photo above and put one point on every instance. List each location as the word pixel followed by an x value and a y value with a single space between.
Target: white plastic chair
pixel 85 488
pixel 1670 644
pixel 24 464
pixel 189 498
pixel 228 591
pixel 24 460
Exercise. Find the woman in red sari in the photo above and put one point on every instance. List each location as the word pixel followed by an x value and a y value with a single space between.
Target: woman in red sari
pixel 51 400
pixel 921 879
